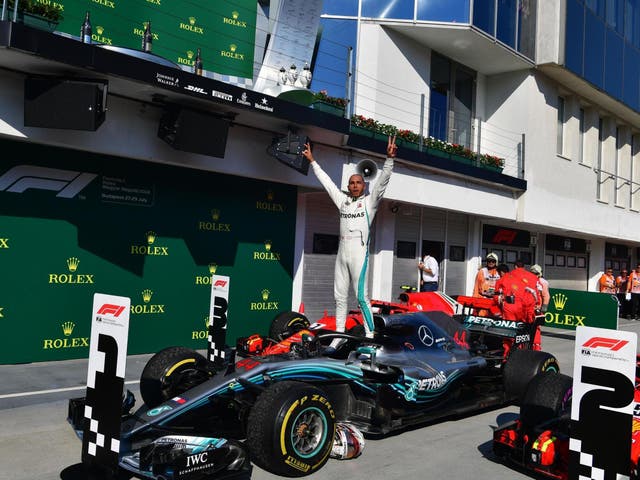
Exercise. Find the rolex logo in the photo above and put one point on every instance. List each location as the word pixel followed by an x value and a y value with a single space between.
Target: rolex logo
pixel 189 54
pixel 212 268
pixel 267 245
pixel 265 294
pixel 146 295
pixel 151 237
pixel 559 301
pixel 270 195
pixel 72 264
pixel 192 20
pixel 235 15
pixel 215 214
pixel 67 328
pixel 100 30
pixel 206 322
pixel 233 47
pixel 268 204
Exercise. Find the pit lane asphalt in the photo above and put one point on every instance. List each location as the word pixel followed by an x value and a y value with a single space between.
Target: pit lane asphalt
pixel 36 442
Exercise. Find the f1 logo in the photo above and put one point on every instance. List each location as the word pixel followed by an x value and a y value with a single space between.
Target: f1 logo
pixel 612 344
pixel 504 235
pixel 220 283
pixel 67 183
pixel 108 308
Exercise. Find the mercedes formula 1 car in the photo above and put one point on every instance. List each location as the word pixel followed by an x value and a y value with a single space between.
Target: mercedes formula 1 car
pixel 280 411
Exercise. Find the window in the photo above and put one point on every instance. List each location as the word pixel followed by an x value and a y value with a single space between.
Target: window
pixel 325 244
pixel 560 132
pixel 406 249
pixel 456 253
pixel 581 133
pixel 616 168
pixel 385 9
pixel 443 10
pixel 599 189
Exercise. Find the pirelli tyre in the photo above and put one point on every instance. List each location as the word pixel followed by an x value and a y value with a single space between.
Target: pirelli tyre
pixel 286 324
pixel 290 429
pixel 171 372
pixel 548 396
pixel 521 367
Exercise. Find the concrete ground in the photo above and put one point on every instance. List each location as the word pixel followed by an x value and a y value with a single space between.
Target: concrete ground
pixel 36 442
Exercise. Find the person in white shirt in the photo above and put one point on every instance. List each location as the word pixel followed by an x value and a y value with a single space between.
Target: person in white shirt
pixel 429 271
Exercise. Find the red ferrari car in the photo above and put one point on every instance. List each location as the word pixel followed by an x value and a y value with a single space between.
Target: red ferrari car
pixel 538 440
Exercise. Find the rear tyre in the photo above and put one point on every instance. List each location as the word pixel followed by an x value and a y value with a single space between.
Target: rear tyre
pixel 521 367
pixel 169 373
pixel 290 429
pixel 548 396
pixel 286 324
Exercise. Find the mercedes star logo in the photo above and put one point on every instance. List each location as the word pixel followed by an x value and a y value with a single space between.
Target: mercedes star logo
pixel 425 335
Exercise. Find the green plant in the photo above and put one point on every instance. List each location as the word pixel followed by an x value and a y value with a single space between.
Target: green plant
pixel 491 160
pixel 324 97
pixel 408 135
pixel 365 122
pixel 38 7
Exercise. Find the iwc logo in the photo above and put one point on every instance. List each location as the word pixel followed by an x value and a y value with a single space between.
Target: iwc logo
pixel 150 249
pixel 265 304
pixel 268 204
pixel 67 341
pixel 266 255
pixel 106 3
pixel 201 334
pixel 100 38
pixel 234 20
pixel 191 26
pixel 72 277
pixel 215 225
pixel 147 308
pixel 206 279
pixel 232 53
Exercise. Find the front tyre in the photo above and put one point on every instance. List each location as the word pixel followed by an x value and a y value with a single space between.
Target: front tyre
pixel 290 429
pixel 521 367
pixel 548 397
pixel 171 372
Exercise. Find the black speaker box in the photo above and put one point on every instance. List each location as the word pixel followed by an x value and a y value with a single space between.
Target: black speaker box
pixel 288 150
pixel 193 131
pixel 64 103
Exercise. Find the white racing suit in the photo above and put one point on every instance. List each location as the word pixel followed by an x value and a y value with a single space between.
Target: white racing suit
pixel 356 216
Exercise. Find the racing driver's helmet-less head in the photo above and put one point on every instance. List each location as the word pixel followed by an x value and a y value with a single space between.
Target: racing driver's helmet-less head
pixel 348 442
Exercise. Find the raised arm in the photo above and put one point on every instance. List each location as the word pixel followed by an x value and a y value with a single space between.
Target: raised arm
pixel 385 175
pixel 331 188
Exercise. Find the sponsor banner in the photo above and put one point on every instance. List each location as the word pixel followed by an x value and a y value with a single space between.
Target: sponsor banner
pixel 150 232
pixel 570 309
pixel 602 404
pixel 224 30
pixel 105 381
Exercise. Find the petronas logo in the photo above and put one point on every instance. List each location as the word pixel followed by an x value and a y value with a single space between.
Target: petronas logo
pixel 72 264
pixel 67 328
pixel 559 301
pixel 146 295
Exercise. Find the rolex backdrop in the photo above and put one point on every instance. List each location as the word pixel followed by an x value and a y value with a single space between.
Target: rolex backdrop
pixel 74 223
pixel 225 30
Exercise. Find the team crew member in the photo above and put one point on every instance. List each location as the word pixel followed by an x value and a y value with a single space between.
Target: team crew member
pixel 429 271
pixel 487 277
pixel 607 282
pixel 633 287
pixel 543 289
pixel 357 211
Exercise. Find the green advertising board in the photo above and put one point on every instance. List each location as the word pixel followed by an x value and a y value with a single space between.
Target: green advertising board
pixel 75 223
pixel 224 30
pixel 569 309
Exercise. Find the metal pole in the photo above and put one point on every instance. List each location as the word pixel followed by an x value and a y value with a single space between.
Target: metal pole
pixel 349 106
pixel 422 102
pixel 479 141
pixel 3 17
pixel 15 10
pixel 522 157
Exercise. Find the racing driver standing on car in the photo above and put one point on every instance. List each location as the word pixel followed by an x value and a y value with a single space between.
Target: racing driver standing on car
pixel 357 211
